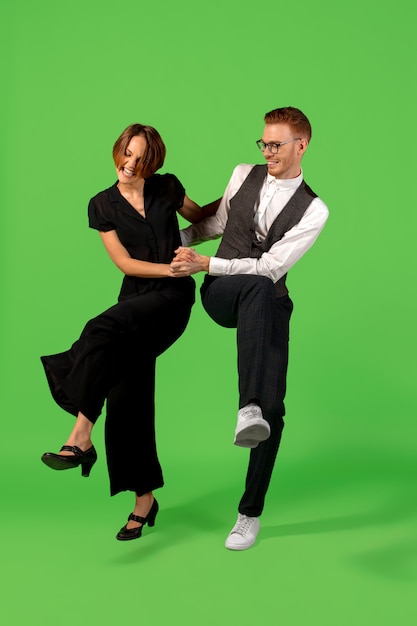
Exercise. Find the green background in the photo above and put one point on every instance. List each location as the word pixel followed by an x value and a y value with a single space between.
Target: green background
pixel 338 541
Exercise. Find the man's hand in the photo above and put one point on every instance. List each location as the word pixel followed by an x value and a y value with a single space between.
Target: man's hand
pixel 187 261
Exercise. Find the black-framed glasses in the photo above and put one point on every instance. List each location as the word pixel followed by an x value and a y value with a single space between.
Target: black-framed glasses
pixel 274 147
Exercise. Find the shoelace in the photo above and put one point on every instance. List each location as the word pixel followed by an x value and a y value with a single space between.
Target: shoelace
pixel 243 525
pixel 249 412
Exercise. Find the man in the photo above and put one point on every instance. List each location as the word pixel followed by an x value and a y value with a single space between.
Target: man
pixel 268 218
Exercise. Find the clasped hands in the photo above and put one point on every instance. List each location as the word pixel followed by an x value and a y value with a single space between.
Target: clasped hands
pixel 187 261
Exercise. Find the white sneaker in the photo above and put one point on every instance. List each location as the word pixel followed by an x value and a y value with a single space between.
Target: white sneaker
pixel 251 427
pixel 244 533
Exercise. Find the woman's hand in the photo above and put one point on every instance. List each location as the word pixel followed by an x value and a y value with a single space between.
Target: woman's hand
pixel 187 261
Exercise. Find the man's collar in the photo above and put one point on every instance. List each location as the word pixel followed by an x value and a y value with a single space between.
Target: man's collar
pixel 285 183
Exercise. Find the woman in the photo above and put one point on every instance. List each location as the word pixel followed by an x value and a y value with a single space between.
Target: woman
pixel 114 358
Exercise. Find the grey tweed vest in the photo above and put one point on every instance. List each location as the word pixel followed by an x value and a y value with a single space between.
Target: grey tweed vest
pixel 239 238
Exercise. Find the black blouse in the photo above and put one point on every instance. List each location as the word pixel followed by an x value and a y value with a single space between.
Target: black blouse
pixel 152 238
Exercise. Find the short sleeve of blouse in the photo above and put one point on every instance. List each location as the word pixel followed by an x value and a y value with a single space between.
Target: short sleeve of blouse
pixel 99 214
pixel 176 190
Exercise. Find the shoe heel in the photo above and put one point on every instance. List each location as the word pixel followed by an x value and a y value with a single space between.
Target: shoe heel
pixel 86 467
pixel 150 520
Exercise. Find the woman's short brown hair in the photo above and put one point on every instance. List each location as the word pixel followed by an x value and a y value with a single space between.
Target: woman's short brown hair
pixel 155 152
pixel 293 117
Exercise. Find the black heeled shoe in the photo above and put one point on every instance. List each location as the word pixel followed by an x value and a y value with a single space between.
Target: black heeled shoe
pixel 60 462
pixel 125 534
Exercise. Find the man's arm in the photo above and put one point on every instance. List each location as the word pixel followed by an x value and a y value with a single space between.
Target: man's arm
pixel 272 264
pixel 208 228
pixel 284 253
pixel 213 227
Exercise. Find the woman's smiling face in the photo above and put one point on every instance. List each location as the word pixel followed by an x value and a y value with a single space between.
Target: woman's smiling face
pixel 128 168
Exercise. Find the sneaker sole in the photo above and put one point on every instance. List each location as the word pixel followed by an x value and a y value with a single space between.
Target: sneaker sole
pixel 239 547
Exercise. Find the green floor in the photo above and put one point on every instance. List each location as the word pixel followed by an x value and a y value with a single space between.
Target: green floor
pixel 338 542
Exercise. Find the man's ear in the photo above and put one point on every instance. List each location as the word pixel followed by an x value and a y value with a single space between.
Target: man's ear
pixel 303 145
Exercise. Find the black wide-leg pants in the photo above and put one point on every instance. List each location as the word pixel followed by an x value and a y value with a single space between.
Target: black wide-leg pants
pixel 114 359
pixel 248 303
pixel 132 458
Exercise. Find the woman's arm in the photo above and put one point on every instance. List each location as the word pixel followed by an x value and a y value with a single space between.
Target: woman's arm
pixel 194 213
pixel 132 267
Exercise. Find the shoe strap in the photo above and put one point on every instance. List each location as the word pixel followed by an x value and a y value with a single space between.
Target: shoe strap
pixel 75 449
pixel 137 518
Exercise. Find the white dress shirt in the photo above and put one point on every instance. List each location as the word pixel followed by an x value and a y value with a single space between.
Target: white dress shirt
pixel 284 253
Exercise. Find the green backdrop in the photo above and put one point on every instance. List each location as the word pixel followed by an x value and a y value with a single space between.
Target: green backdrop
pixel 338 540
